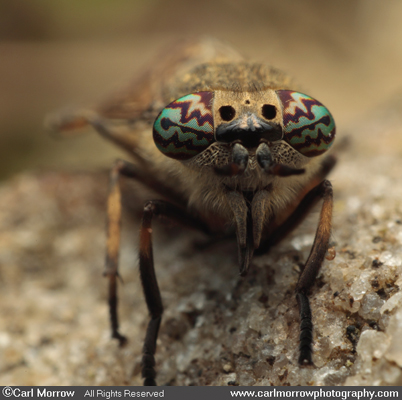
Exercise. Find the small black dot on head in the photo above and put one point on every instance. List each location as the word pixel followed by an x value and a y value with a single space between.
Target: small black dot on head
pixel 227 113
pixel 268 111
pixel 247 101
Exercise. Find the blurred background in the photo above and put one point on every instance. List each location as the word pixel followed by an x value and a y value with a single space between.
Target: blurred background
pixel 347 54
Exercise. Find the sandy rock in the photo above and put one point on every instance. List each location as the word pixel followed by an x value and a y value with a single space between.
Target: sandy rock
pixel 218 328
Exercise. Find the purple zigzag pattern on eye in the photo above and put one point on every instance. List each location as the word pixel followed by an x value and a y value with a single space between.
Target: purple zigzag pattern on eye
pixel 184 106
pixel 286 98
pixel 321 126
pixel 320 136
pixel 308 103
pixel 300 147
pixel 166 123
pixel 187 147
pixel 308 140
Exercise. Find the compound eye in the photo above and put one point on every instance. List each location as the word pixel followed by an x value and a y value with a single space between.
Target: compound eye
pixel 308 125
pixel 185 127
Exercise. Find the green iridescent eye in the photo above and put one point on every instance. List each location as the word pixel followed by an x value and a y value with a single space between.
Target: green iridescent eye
pixel 185 127
pixel 307 124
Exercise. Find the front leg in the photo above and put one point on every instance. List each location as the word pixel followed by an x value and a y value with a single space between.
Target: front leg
pixel 310 270
pixel 148 278
pixel 298 210
pixel 151 292
pixel 312 267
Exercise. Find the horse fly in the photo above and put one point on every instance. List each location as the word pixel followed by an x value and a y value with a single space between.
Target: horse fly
pixel 220 139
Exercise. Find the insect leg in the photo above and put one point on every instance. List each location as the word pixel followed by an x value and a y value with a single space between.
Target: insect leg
pixel 148 278
pixel 69 121
pixel 151 293
pixel 298 213
pixel 130 170
pixel 124 168
pixel 117 134
pixel 112 249
pixel 311 268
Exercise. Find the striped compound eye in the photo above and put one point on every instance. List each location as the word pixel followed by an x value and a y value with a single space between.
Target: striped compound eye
pixel 185 127
pixel 308 126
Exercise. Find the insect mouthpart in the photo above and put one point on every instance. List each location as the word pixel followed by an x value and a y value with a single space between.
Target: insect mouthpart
pixel 248 130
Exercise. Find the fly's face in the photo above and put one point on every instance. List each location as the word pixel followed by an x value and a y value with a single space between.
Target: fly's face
pixel 223 127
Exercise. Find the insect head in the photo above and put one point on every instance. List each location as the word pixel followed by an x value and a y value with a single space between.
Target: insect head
pixel 189 125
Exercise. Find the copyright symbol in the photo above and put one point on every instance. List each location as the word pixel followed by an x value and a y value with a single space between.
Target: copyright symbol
pixel 7 391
